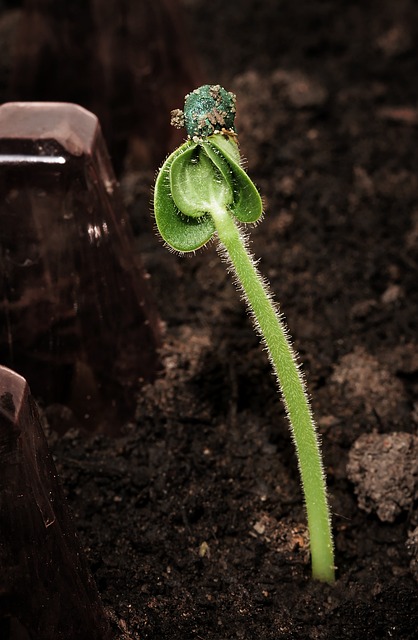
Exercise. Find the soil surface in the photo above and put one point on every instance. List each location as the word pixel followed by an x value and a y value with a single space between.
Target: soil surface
pixel 193 519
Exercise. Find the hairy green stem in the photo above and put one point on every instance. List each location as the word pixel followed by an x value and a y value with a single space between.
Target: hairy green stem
pixel 202 189
pixel 291 382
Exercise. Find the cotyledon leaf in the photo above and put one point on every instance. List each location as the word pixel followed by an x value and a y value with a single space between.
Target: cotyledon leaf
pixel 198 184
pixel 178 231
pixel 248 206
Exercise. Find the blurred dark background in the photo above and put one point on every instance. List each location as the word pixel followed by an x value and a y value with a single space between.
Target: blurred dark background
pixel 128 61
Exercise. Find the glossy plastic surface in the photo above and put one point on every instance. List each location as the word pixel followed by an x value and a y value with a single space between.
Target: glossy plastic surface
pixel 46 591
pixel 76 315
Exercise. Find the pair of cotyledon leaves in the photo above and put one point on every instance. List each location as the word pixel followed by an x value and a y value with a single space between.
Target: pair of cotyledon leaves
pixel 202 176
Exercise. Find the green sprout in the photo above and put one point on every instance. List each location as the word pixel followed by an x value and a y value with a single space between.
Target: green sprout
pixel 201 191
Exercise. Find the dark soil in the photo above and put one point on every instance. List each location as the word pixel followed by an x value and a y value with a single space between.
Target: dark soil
pixel 193 519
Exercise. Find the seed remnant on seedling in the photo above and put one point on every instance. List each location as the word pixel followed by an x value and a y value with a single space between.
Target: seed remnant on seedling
pixel 207 110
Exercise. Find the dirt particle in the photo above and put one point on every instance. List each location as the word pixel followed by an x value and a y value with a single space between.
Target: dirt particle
pixel 412 547
pixel 177 118
pixel 288 539
pixel 364 378
pixel 392 294
pixel 384 470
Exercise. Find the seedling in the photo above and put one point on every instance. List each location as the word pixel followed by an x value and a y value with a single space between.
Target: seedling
pixel 202 191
